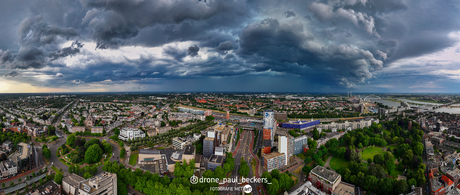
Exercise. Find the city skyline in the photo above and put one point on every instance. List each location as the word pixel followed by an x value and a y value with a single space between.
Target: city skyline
pixel 363 46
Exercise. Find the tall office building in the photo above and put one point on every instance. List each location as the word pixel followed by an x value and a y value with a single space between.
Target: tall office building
pixel 208 147
pixel 283 146
pixel 270 123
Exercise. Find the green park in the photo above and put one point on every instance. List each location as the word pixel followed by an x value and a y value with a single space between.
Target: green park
pixel 373 157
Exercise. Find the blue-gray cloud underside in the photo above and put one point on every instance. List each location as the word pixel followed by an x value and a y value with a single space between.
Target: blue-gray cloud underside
pixel 324 44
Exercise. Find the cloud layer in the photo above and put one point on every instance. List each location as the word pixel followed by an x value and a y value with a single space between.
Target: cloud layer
pixel 329 44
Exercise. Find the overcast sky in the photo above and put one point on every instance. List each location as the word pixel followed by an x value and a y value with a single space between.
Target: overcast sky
pixel 230 45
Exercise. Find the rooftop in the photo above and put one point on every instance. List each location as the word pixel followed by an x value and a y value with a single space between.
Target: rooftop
pixel 24 151
pixel 50 187
pixel 344 189
pixel 209 139
pixel 219 149
pixel 324 173
pixel 216 159
pixel 447 181
pixel 307 187
pixel 436 184
pixel 189 149
pixel 92 184
pixel 73 179
pixel 267 142
pixel 144 151
pixel 273 155
pixel 180 139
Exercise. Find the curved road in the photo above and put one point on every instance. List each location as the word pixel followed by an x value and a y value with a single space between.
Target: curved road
pixel 54 159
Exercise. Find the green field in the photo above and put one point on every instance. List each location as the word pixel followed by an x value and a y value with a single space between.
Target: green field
pixel 133 159
pixel 370 152
pixel 338 163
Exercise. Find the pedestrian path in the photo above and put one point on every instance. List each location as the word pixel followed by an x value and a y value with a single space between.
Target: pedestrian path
pixel 327 164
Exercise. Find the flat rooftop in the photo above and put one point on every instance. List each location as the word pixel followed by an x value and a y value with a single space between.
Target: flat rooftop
pixel 24 150
pixel 273 155
pixel 216 159
pixel 144 151
pixel 299 122
pixel 50 187
pixel 436 184
pixel 189 149
pixel 267 142
pixel 209 139
pixel 324 173
pixel 73 179
pixel 344 189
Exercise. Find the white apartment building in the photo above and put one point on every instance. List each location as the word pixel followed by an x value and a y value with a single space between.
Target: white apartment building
pixel 130 133
pixel 179 142
pixel 102 184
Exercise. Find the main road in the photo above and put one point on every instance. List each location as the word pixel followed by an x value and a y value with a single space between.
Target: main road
pixel 243 150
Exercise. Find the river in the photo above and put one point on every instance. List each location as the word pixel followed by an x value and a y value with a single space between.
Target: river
pixel 418 102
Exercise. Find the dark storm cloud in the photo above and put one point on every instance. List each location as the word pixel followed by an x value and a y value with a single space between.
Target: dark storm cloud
pixel 12 74
pixel 288 14
pixel 282 43
pixel 66 51
pixel 333 43
pixel 37 39
pixel 193 50
pixel 114 22
pixel 225 46
pixel 176 53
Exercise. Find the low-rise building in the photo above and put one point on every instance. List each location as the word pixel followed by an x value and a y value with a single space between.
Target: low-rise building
pixel 97 129
pixel 219 151
pixel 50 188
pixel 215 161
pixel 104 183
pixel 454 175
pixel 11 167
pixel 274 160
pixel 70 184
pixel 307 189
pixel 130 133
pixel 189 153
pixel 75 129
pixel 344 189
pixel 161 130
pixel 7 146
pixel 179 143
pixel 151 133
pixel 437 187
pixel 448 183
pixel 324 179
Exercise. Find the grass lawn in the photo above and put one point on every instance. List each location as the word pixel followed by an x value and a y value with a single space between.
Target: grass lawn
pixel 395 173
pixel 338 163
pixel 370 152
pixel 133 159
